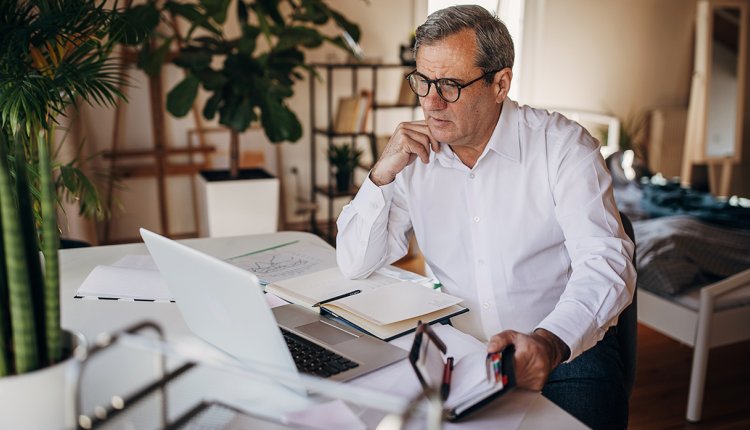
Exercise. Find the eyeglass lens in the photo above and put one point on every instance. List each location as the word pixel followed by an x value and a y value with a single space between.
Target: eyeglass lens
pixel 446 88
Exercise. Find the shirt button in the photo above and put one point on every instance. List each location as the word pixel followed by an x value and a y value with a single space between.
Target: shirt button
pixel 480 261
pixel 471 175
pixel 374 205
pixel 486 306
pixel 476 219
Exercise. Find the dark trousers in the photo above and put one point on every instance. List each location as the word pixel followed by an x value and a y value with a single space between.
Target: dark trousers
pixel 591 387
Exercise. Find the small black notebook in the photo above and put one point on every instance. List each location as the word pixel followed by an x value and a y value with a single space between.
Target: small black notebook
pixel 466 385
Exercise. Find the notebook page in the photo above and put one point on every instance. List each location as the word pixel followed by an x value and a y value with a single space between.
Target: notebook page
pixel 469 379
pixel 323 285
pixel 396 302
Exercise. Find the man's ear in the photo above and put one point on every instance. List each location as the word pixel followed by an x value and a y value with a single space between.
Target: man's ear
pixel 502 84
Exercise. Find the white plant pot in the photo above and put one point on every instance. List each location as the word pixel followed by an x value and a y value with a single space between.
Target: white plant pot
pixel 44 398
pixel 231 207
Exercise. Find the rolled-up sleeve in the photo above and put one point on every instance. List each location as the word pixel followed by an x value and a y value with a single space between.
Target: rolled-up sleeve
pixel 373 230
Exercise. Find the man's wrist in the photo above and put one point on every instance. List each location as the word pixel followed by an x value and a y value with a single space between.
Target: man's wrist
pixel 560 352
pixel 378 181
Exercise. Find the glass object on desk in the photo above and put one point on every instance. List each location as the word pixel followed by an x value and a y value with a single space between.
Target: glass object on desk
pixel 198 386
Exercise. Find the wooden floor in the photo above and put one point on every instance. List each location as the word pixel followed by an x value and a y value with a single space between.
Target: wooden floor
pixel 660 394
pixel 659 397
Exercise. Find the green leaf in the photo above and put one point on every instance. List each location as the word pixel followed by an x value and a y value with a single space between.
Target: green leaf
pixel 212 105
pixel 152 61
pixel 14 242
pixel 133 26
pixel 281 64
pixel 208 42
pixel 241 67
pixel 291 37
pixel 279 122
pixel 270 8
pixel 193 59
pixel 181 98
pixel 280 92
pixel 49 246
pixel 239 115
pixel 346 25
pixel 216 9
pixel 68 177
pixel 246 44
pixel 193 15
pixel 211 79
pixel 242 14
pixel 311 11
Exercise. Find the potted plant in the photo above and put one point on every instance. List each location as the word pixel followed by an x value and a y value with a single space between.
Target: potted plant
pixel 630 162
pixel 249 78
pixel 53 54
pixel 343 159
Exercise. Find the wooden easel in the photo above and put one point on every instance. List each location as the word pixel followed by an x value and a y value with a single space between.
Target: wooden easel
pixel 160 167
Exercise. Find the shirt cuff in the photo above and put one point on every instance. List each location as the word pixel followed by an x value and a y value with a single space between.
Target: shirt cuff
pixel 371 199
pixel 566 322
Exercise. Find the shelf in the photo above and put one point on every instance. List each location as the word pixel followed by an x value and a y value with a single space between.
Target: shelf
pixel 361 76
pixel 393 106
pixel 360 65
pixel 137 153
pixel 150 169
pixel 329 133
pixel 331 191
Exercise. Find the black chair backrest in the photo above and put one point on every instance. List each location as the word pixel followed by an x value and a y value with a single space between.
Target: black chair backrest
pixel 627 324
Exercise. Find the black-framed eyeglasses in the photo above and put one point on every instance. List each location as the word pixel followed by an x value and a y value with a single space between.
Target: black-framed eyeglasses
pixel 448 89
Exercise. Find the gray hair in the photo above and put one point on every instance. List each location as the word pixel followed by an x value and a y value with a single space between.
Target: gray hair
pixel 494 44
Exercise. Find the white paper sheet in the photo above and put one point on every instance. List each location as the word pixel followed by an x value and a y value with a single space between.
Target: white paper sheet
pixel 330 415
pixel 121 281
pixel 135 277
pixel 286 260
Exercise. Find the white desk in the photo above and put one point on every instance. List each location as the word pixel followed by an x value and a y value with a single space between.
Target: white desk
pixel 92 317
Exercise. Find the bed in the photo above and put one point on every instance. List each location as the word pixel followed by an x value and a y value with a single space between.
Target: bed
pixel 693 274
pixel 693 284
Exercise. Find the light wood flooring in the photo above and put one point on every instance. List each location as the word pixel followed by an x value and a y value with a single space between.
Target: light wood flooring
pixel 660 394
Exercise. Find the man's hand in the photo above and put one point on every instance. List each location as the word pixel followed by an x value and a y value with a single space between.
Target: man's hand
pixel 535 357
pixel 409 141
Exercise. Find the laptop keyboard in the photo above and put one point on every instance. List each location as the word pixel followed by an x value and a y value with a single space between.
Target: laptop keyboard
pixel 314 359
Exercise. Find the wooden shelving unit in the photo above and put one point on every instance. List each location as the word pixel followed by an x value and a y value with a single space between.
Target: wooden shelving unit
pixel 328 191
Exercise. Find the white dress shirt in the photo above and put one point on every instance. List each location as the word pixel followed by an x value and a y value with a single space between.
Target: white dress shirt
pixel 529 238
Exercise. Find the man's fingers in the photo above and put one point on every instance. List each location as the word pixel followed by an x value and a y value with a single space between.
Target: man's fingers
pixel 421 128
pixel 499 341
pixel 418 148
pixel 433 142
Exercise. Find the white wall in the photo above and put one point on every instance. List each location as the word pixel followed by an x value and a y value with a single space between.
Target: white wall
pixel 615 56
pixel 601 55
pixel 385 25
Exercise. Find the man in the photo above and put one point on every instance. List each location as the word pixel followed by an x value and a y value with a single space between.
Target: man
pixel 513 210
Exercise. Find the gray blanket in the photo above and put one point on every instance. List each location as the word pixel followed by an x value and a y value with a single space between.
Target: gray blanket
pixel 677 253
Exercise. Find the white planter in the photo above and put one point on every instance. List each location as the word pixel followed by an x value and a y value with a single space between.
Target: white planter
pixel 231 207
pixel 43 399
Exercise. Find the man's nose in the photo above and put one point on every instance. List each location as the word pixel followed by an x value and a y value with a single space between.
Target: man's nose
pixel 433 101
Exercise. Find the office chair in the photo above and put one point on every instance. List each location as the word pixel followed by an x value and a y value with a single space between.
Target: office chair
pixel 627 324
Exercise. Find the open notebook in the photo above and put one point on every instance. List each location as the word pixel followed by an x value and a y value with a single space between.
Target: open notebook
pixel 378 305
pixel 465 385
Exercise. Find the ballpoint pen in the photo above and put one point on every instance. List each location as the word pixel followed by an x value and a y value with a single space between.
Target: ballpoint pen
pixel 445 388
pixel 322 302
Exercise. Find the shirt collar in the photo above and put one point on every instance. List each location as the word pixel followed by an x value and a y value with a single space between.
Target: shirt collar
pixel 504 139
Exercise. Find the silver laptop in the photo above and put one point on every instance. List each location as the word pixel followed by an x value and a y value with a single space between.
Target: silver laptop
pixel 224 305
